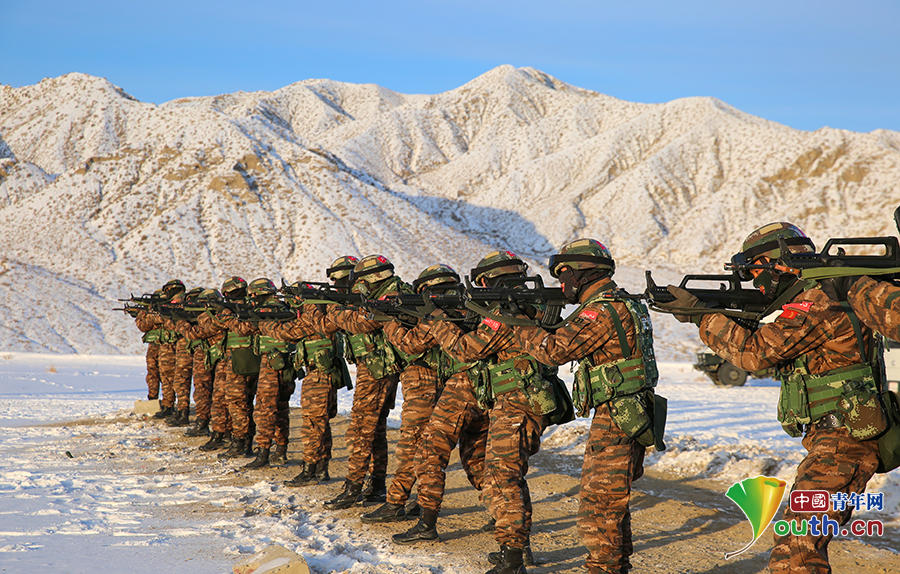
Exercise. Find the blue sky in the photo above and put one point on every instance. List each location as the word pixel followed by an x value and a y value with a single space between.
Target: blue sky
pixel 807 64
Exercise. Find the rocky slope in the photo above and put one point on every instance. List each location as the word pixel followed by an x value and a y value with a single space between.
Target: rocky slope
pixel 102 195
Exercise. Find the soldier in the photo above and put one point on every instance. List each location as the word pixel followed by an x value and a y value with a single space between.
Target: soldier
pixel 276 378
pixel 151 338
pixel 828 390
pixel 522 399
pixel 167 349
pixel 202 373
pixel 181 380
pixel 421 385
pixel 320 354
pixel 612 339
pixel 378 365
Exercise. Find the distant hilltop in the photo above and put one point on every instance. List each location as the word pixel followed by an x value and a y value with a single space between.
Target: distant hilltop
pixel 102 195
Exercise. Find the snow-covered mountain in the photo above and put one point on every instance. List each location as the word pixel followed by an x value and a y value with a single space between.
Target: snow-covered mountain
pixel 102 195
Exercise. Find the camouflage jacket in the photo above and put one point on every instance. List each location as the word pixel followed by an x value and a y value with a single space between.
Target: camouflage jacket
pixel 147 321
pixel 209 327
pixel 877 304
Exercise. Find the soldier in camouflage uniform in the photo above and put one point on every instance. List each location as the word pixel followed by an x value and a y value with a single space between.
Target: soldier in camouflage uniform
pixel 378 366
pixel 321 355
pixel 522 399
pixel 606 333
pixel 152 321
pixel 276 378
pixel 202 375
pixel 828 391
pixel 422 385
pixel 181 380
pixel 151 338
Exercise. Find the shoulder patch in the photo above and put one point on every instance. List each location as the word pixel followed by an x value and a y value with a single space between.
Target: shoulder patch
pixel 495 325
pixel 791 310
pixel 589 314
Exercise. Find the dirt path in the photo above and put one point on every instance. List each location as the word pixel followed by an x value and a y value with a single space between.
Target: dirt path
pixel 680 525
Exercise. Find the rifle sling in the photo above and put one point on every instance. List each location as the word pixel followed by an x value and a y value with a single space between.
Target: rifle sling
pixel 819 273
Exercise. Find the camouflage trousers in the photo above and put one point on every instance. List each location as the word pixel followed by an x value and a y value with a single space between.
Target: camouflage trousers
pixel 318 404
pixel 153 380
pixel 203 384
pixel 835 463
pixel 272 412
pixel 239 391
pixel 612 461
pixel 366 436
pixel 456 419
pixel 181 384
pixel 219 417
pixel 514 436
pixel 420 389
pixel 167 359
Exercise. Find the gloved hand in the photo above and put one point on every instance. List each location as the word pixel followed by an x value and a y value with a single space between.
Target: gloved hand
pixel 837 288
pixel 683 300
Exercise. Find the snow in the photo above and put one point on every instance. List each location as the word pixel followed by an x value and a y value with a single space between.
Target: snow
pixel 79 497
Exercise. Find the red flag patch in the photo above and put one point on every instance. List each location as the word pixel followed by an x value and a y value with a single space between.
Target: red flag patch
pixel 791 310
pixel 589 314
pixel 495 325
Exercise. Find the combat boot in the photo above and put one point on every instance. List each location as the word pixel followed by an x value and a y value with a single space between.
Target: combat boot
pixel 511 562
pixel 215 442
pixel 347 497
pixel 425 530
pixel 375 490
pixel 413 509
pixel 237 449
pixel 527 556
pixel 280 454
pixel 200 428
pixel 387 512
pixel 322 471
pixel 261 460
pixel 182 418
pixel 307 477
pixel 163 412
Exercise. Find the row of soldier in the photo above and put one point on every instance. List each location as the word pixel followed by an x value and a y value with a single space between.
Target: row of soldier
pixel 492 390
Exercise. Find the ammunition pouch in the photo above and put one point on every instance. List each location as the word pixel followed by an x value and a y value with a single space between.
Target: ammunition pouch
pixel 152 336
pixel 377 353
pixel 166 336
pixel 481 384
pixel 849 393
pixel 524 373
pixel 214 352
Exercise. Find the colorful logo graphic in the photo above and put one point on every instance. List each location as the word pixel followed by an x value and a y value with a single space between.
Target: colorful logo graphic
pixel 759 499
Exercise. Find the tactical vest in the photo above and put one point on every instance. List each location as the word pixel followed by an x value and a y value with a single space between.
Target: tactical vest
pixel 626 383
pixel 848 393
pixel 325 355
pixel 237 341
pixel 524 373
pixel 379 356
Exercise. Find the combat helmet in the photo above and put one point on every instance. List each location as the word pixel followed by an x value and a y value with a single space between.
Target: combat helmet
pixel 435 275
pixel 194 293
pixel 210 295
pixel 234 288
pixel 763 242
pixel 372 269
pixel 582 254
pixel 172 287
pixel 261 287
pixel 498 263
pixel 339 272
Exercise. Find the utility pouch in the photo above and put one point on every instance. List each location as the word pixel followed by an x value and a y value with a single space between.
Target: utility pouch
pixel 244 361
pixel 660 411
pixel 632 414
pixel 565 410
pixel 151 336
pixel 523 373
pixel 320 354
pixel 277 360
pixel 479 376
pixel 889 442
pixel 793 404
pixel 861 412
pixel 214 352
pixel 340 376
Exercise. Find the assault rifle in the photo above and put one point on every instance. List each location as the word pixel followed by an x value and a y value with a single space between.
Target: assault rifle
pixel 313 292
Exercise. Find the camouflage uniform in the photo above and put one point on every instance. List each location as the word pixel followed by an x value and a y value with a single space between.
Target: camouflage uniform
pixel 877 303
pixel 148 321
pixel 515 428
pixel 434 421
pixel 318 397
pixel 153 377
pixel 203 382
pixel 612 459
pixel 181 382
pixel 817 329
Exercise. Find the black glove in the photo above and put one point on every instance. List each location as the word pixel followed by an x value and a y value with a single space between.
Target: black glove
pixel 837 288
pixel 683 300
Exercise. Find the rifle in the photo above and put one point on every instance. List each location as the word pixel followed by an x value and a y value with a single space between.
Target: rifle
pixel 144 300
pixel 313 292
pixel 132 310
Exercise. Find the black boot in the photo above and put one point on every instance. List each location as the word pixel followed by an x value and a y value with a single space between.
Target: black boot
pixel 347 497
pixel 237 449
pixel 322 471
pixel 182 418
pixel 511 562
pixel 413 509
pixel 200 428
pixel 163 412
pixel 527 556
pixel 215 442
pixel 425 530
pixel 261 460
pixel 375 490
pixel 280 454
pixel 307 477
pixel 387 512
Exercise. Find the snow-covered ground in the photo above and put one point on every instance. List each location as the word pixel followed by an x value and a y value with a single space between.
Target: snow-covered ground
pixel 79 498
